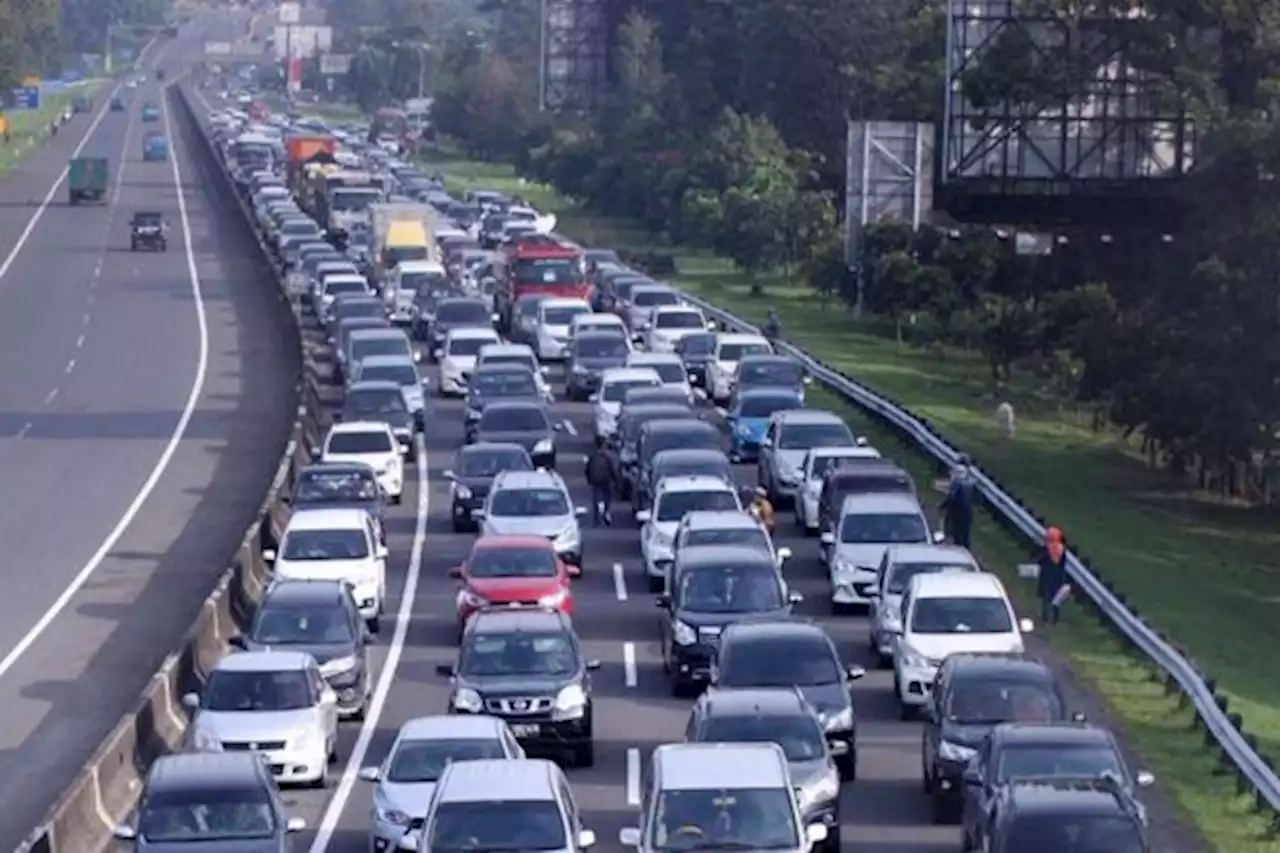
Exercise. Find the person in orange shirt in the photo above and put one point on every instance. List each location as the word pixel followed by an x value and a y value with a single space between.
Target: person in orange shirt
pixel 1052 583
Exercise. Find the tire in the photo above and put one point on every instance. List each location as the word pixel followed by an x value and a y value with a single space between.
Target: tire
pixel 395 500
pixel 655 584
pixel 847 767
pixel 459 526
pixel 584 755
pixel 832 844
pixel 374 624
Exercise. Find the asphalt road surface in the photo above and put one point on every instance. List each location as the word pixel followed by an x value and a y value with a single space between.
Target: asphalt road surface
pixel 144 399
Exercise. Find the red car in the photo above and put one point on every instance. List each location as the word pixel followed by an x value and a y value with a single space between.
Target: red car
pixel 516 571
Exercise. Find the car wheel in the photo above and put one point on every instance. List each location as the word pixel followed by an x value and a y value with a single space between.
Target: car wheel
pixel 847 767
pixel 584 755
pixel 832 844
pixel 374 624
pixel 459 526
pixel 655 584
pixel 395 500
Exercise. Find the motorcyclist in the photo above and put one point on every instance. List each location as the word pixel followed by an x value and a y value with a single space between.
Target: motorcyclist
pixel 772 328
pixel 761 508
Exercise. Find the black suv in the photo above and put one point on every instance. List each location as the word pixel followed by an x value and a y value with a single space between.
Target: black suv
pixel 318 617
pixel 527 667
pixel 340 485
pixel 1061 815
pixel 148 230
pixel 799 654
pixel 478 465
pixel 381 401
pixel 972 694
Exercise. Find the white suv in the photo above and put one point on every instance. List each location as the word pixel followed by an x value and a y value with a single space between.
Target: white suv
pixel 614 385
pixel 730 348
pixel 900 564
pixel 534 503
pixel 669 367
pixel 371 443
pixel 555 316
pixel 458 355
pixel 816 463
pixel 668 325
pixel 672 499
pixel 868 525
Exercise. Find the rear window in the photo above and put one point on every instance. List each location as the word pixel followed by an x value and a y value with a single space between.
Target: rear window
pixel 650 298
pixel 359 442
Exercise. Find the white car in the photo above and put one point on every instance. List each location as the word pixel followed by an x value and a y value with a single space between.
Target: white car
pixel 551 326
pixel 730 348
pixel 601 322
pixel 900 564
pixel 405 281
pixel 337 283
pixel 644 300
pixel 323 270
pixel 869 524
pixel 335 544
pixel 275 703
pixel 673 498
pixel 457 357
pixel 726 527
pixel 669 324
pixel 516 354
pixel 423 747
pixel 669 367
pixel 945 614
pixel 372 443
pixel 614 385
pixel 399 369
pixel 816 463
pixel 534 503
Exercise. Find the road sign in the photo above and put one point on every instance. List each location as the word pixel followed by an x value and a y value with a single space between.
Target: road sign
pixel 335 63
pixel 290 13
pixel 217 48
pixel 30 80
pixel 26 98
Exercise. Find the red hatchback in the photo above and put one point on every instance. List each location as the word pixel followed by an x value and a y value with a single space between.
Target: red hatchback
pixel 513 571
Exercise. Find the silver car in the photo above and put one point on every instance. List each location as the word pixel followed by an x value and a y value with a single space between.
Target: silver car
pixel 898 566
pixel 400 369
pixel 788 438
pixel 726 527
pixel 422 749
pixel 534 503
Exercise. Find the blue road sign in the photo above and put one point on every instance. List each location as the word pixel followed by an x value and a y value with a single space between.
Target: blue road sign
pixel 26 98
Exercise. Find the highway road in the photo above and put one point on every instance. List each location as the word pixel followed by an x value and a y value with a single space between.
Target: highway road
pixel 144 400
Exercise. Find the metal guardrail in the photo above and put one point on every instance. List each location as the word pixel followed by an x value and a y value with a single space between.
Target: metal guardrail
pixel 1256 772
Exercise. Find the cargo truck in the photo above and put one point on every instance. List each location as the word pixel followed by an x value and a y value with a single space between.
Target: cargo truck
pixel 401 231
pixel 87 179
pixel 344 204
pixel 303 149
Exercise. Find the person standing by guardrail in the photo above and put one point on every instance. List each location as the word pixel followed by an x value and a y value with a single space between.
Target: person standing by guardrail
pixel 1052 584
pixel 957 507
pixel 772 327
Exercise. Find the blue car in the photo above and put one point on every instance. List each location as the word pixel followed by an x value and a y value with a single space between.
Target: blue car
pixel 748 418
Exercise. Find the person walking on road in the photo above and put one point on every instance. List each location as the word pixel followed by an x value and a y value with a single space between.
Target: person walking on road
pixel 600 476
pixel 1052 584
pixel 957 507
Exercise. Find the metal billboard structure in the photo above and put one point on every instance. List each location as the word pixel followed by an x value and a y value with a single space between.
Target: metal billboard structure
pixel 575 47
pixel 888 176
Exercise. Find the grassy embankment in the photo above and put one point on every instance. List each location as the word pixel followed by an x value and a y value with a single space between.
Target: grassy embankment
pixel 1204 570
pixel 30 128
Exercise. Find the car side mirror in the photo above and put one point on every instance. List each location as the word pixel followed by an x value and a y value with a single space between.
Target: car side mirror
pixel 317 454
pixel 426 382
pixel 629 836
pixel 417 357
pixel 495 318
pixel 268 555
pixel 580 511
pixel 237 642
pixel 295 824
pixel 574 571
pixel 643 516
pixel 662 602
pixel 438 354
pixel 455 571
pixel 557 427
pixel 784 553
pixel 855 672
pixel 380 552
pixel 191 701
pixel 446 669
pixel 711 325
pixel 593 665
pixel 594 398
pixel 586 838
pixel 370 774
pixel 1026 626
pixel 827 538
pixel 1144 779
pixel 544 370
pixel 1078 717
pixel 449 475
pixel 794 598
pixel 815 833
pixel 124 832
pixel 838 748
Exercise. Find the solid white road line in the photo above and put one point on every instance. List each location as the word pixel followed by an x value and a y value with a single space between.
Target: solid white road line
pixel 179 429
pixel 633 777
pixel 629 663
pixel 333 812
pixel 570 428
pixel 619 582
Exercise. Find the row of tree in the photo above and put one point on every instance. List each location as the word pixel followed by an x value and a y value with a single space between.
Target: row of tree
pixel 36 35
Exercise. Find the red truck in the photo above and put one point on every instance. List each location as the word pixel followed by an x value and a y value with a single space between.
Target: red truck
pixel 541 265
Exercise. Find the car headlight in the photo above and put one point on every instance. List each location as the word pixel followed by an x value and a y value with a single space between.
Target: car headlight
pixel 203 740
pixel 569 536
pixel 744 431
pixel 890 621
pixel 346 663
pixel 842 719
pixel 684 635
pixel 949 751
pixel 466 699
pixel 571 699
pixel 579 370
pixel 462 493
pixel 844 570
pixel 470 599
pixel 821 790
pixel 389 814
pixel 544 446
pixel 555 599
pixel 307 736
pixel 912 658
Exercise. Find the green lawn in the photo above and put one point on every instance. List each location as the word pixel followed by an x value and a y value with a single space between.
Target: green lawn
pixel 30 128
pixel 1201 568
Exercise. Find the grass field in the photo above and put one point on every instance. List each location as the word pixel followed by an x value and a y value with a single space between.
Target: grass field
pixel 1201 568
pixel 29 128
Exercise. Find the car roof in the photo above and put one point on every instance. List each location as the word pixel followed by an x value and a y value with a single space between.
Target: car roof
pixel 374 385
pixel 274 660
pixel 957 585
pixel 859 451
pixel 387 361
pixel 506 349
pixel 714 766
pixel 654 287
pixel 922 553
pixel 440 726
pixel 599 318
pixel 340 467
pixel 978 667
pixel 499 541
pixel 720 519
pixel 699 556
pixel 662 412
pixel 292 592
pixel 506 620
pixel 740 338
pixel 807 416
pixel 694 483
pixel 628 374
pixel 596 335
pixel 205 771
pixel 472 333
pixel 1067 734
pixel 879 502
pixel 641 358
pixel 343 277
pixel 381 332
pixel 498 780
pixel 769 357
pixel 539 479
pixel 563 302
pixel 682 308
pixel 326 518
pixel 348 427
pixel 420 266
pixel 754 701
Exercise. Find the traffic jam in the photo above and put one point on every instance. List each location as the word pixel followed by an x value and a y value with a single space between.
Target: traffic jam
pixel 581 454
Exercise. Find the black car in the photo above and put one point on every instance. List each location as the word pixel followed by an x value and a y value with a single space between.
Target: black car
pixel 340 485
pixel 381 401
pixel 318 617
pixel 477 465
pixel 1063 816
pixel 527 668
pixel 800 654
pixel 657 436
pixel 708 589
pixel 589 355
pixel 356 305
pixel 1038 752
pixel 457 312
pixel 631 420
pixel 148 230
pixel 782 716
pixel 763 370
pixel 493 383
pixel 677 461
pixel 972 694
pixel 697 351
pixel 525 423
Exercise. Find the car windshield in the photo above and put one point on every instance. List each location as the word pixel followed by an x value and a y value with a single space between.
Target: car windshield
pixel 468 346
pixel 358 308
pixel 672 506
pixel 547 270
pixel 310 626
pixel 616 391
pixel 650 298
pixel 1058 759
pixel 601 346
pixel 679 320
pixel 325 545
pixel 697 344
pixel 416 281
pixel 505 359
pixel 670 372
pixel 497 827
pixel 505 562
pixel 353 199
pixel 513 418
pixel 820 465
pixel 463 313
pixel 477 464
pixel 504 383
pixel 416 761
pixel 1074 833
pixel 396 345
pixel 805 436
pixel 764 407
pixel 898 528
pixel 732 589
pixel 718 819
pixel 735 352
pixel 987 700
pixel 799 735
pixel 751 537
pixel 528 307
pixel 206 813
pixel 901 574
pixel 359 442
pixel 529 502
pixel 771 373
pixel 519 654
pixel 321 486
pixel 780 664
pixel 404 375
pixel 374 401
pixel 334 287
pixel 282 690
pixel 957 615
pixel 562 315
pixel 697 437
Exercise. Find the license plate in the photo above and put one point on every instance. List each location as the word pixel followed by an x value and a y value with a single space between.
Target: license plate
pixel 524 730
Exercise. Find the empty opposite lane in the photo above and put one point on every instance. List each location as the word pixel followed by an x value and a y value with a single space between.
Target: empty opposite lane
pixel 144 400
